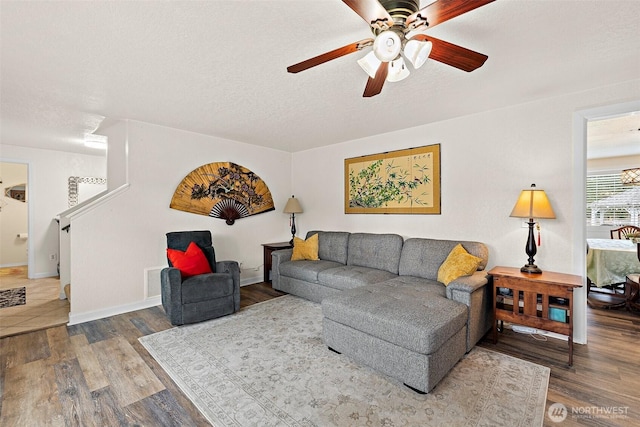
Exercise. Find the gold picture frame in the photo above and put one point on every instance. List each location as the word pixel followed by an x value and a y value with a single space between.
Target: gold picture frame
pixel 395 182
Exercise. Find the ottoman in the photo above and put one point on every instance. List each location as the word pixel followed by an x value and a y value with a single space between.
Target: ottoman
pixel 414 340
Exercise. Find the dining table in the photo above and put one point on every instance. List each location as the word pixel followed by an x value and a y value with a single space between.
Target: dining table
pixel 609 261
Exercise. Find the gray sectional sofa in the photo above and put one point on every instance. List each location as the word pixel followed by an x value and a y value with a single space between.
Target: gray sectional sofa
pixel 382 303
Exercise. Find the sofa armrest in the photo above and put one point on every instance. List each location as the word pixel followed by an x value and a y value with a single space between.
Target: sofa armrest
pixel 277 258
pixel 281 255
pixel 468 284
pixel 170 282
pixel 232 268
pixel 474 292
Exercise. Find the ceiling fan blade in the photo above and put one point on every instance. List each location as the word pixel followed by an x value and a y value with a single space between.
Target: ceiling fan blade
pixel 374 86
pixel 328 56
pixel 451 54
pixel 372 12
pixel 441 11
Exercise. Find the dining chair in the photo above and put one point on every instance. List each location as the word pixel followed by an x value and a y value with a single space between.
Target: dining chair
pixel 599 298
pixel 623 231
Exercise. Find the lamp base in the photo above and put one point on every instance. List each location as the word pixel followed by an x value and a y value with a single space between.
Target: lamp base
pixel 531 250
pixel 531 269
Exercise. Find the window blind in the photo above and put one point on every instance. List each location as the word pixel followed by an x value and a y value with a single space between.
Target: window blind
pixel 600 187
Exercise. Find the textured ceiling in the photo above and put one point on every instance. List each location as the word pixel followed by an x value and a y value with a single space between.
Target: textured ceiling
pixel 614 136
pixel 219 68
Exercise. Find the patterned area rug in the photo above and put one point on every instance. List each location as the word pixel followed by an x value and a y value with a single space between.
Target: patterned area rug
pixel 267 365
pixel 13 297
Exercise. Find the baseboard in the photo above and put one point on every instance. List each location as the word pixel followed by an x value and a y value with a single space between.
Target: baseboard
pixel 75 318
pixel 43 275
pixel 15 264
pixel 251 280
pixel 29 275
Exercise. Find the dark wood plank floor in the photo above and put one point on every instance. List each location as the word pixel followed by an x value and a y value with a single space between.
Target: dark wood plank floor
pixel 97 373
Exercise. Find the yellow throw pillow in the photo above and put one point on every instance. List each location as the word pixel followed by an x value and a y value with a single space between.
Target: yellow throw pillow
pixel 305 249
pixel 459 263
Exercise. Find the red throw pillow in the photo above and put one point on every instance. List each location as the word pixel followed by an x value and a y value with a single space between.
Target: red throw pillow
pixel 191 262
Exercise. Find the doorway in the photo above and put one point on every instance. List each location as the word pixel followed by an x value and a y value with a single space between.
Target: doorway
pixel 613 145
pixel 580 120
pixel 14 215
pixel 39 308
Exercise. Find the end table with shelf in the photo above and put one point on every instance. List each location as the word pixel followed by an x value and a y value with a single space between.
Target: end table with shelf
pixel 268 248
pixel 541 301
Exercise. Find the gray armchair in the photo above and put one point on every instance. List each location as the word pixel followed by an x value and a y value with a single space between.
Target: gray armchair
pixel 202 297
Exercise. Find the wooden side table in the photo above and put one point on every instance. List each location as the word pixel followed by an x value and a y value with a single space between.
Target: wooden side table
pixel 268 248
pixel 542 301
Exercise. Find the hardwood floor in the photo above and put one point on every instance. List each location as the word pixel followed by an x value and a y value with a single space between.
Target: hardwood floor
pixel 604 375
pixel 43 306
pixel 97 373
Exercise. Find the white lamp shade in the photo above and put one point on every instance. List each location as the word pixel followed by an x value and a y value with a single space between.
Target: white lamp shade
pixel 370 64
pixel 417 52
pixel 292 206
pixel 397 70
pixel 387 46
pixel 533 203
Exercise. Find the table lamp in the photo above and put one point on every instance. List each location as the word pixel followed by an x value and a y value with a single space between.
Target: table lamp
pixel 532 203
pixel 292 207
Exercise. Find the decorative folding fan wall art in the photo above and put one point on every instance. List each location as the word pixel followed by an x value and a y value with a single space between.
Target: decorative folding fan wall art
pixel 222 190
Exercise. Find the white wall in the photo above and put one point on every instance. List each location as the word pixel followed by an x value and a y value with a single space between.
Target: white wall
pixel 612 164
pixel 49 171
pixel 13 217
pixel 486 160
pixel 114 243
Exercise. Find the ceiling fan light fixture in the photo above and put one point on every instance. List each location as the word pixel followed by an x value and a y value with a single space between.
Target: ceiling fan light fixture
pixel 417 52
pixel 369 64
pixel 387 46
pixel 397 70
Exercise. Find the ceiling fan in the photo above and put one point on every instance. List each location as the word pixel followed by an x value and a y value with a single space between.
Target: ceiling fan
pixel 394 23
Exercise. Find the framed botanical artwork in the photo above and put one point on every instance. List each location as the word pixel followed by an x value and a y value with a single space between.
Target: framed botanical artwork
pixel 398 182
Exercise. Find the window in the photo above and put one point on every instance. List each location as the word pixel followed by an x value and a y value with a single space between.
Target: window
pixel 609 202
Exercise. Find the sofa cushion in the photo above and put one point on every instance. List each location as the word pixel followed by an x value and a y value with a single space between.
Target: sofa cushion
pixel 332 245
pixel 422 325
pixel 380 251
pixel 200 288
pixel 423 257
pixel 349 277
pixel 306 270
pixel 417 286
pixel 305 249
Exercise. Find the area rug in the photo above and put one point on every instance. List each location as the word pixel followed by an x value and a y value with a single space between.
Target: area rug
pixel 268 366
pixel 13 297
